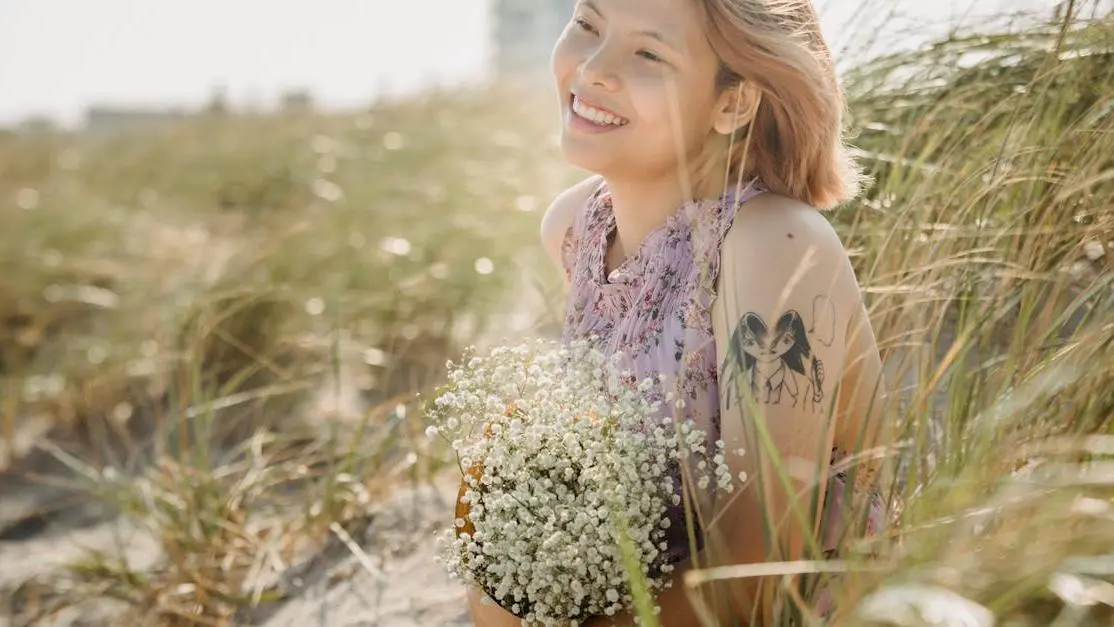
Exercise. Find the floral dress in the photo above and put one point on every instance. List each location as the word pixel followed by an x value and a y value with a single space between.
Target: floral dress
pixel 655 309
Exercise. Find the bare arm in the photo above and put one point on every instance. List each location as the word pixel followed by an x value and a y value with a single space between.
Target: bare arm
pixel 787 298
pixel 488 614
pixel 560 215
pixel 861 424
pixel 676 608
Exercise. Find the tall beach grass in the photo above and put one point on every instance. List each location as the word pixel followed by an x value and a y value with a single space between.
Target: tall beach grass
pixel 984 248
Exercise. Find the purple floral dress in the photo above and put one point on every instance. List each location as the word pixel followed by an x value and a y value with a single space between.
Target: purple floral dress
pixel 655 309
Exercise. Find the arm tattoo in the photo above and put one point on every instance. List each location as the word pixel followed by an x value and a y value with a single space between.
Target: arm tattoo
pixel 778 366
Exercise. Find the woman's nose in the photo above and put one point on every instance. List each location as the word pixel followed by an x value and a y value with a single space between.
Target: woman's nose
pixel 599 69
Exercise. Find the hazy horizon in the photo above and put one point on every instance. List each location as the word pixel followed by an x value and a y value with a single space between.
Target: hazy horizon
pixel 58 57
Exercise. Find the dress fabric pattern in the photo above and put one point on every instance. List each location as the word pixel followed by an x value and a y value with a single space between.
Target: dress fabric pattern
pixel 655 309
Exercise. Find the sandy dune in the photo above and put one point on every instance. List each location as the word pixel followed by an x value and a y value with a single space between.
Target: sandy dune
pixel 385 577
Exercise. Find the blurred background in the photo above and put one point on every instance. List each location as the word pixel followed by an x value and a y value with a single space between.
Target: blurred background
pixel 79 64
pixel 239 240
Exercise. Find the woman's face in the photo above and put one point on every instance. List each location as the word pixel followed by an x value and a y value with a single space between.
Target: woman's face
pixel 636 80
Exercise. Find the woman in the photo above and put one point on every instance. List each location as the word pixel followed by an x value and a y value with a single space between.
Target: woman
pixel 744 299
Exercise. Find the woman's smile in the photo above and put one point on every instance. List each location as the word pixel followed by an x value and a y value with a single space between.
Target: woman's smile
pixel 589 118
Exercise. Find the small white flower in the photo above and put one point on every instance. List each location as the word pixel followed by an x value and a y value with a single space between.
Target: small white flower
pixel 585 444
pixel 431 431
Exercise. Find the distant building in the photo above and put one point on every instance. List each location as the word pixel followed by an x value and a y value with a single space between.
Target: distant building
pixel 37 125
pixel 107 118
pixel 218 102
pixel 296 101
pixel 524 32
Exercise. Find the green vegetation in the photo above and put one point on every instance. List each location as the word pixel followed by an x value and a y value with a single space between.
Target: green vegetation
pixel 218 328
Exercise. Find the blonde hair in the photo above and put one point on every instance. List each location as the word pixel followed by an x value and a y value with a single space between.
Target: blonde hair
pixel 794 144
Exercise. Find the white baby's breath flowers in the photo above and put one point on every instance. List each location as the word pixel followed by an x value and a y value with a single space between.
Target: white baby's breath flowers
pixel 560 452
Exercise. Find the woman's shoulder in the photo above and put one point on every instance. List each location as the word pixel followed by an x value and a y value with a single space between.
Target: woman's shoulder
pixel 562 213
pixel 781 254
pixel 778 231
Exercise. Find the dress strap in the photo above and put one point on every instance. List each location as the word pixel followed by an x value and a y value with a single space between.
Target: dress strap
pixel 709 224
pixel 583 220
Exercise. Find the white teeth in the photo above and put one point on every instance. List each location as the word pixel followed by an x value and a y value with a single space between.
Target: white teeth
pixel 595 115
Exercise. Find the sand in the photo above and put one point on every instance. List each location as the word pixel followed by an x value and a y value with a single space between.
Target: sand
pixel 386 577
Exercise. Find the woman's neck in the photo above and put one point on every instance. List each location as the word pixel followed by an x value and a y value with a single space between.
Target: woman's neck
pixel 642 205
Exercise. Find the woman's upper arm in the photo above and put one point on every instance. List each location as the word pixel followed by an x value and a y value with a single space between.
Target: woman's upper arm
pixel 861 424
pixel 784 301
pixel 559 217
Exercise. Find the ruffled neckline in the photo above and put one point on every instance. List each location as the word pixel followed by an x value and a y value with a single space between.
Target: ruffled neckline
pixel 634 268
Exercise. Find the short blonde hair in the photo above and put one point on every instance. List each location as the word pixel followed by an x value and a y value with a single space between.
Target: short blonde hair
pixel 795 143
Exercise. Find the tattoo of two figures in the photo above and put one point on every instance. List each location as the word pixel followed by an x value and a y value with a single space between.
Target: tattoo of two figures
pixel 778 366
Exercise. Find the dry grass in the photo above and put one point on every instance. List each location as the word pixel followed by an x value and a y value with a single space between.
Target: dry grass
pixel 219 328
pixel 986 247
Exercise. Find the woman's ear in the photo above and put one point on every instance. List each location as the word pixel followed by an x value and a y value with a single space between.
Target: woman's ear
pixel 736 107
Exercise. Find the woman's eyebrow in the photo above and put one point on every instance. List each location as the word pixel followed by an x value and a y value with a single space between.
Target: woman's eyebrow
pixel 591 5
pixel 658 37
pixel 648 33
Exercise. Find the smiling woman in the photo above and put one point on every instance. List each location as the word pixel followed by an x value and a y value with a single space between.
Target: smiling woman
pixel 641 65
pixel 697 253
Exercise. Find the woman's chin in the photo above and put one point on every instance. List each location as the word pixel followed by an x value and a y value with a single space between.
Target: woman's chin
pixel 587 158
pixel 610 162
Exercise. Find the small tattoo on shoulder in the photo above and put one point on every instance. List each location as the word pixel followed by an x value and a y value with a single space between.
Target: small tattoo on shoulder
pixel 778 366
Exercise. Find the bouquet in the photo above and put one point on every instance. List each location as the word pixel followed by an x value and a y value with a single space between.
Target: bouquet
pixel 567 470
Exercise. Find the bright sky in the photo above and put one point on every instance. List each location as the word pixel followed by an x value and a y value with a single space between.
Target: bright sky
pixel 58 56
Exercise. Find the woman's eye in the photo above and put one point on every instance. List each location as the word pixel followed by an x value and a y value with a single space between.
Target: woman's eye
pixel 584 25
pixel 649 56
